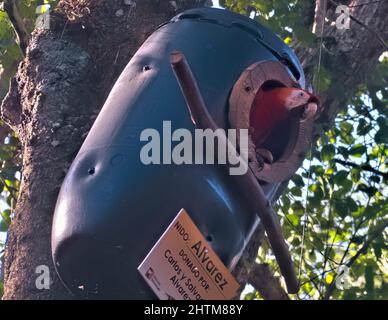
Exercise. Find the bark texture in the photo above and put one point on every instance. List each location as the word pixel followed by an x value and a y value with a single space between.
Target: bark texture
pixel 63 82
pixel 55 97
pixel 261 278
pixel 349 55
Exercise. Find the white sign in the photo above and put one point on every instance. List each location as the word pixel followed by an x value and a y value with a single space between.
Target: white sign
pixel 183 266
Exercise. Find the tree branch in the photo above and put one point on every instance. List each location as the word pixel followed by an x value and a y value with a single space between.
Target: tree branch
pixel 263 280
pixel 364 167
pixel 362 250
pixel 11 7
pixel 320 14
pixel 10 107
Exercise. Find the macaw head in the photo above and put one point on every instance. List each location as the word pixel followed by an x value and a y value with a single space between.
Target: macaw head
pixel 299 102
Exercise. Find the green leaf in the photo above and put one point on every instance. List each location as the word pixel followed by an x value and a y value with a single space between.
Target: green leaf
pixel 298 208
pixel 296 191
pixel 294 219
pixel 6 216
pixel 298 180
pixel 305 35
pixel 363 127
pixel 382 135
pixel 340 176
pixel 369 278
pixel 358 150
pixel 346 132
pixel 286 203
pixel 328 152
pixel 324 79
pixel 355 174
pixel 377 249
pixel 317 196
pixel 369 190
pixel 3 226
pixel 250 296
pixel 346 127
pixel 341 208
pixel 329 277
pixel 343 151
pixel 352 205
pixel 376 179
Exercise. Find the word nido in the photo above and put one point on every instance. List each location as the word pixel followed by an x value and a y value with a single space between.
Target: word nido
pixel 181 231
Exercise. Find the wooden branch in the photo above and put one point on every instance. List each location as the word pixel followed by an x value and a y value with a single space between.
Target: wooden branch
pixel 10 108
pixel 263 280
pixel 319 20
pixel 361 251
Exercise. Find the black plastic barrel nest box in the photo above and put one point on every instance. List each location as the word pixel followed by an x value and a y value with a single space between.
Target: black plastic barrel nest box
pixel 112 208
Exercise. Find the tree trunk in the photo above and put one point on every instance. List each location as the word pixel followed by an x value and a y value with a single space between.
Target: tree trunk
pixel 55 97
pixel 63 82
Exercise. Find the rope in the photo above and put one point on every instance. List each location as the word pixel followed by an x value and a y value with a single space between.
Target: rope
pixel 317 82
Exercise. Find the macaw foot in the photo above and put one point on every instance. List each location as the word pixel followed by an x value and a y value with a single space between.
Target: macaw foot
pixel 263 156
pixel 310 111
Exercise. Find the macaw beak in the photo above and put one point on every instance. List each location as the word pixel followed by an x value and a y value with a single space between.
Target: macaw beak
pixel 311 108
pixel 307 110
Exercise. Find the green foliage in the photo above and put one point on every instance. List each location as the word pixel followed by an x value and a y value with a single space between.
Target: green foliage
pixel 346 204
pixel 10 53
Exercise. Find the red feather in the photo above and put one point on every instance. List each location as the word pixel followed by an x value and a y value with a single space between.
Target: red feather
pixel 272 106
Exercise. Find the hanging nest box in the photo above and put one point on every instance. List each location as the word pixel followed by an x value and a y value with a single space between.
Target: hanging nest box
pixel 112 208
